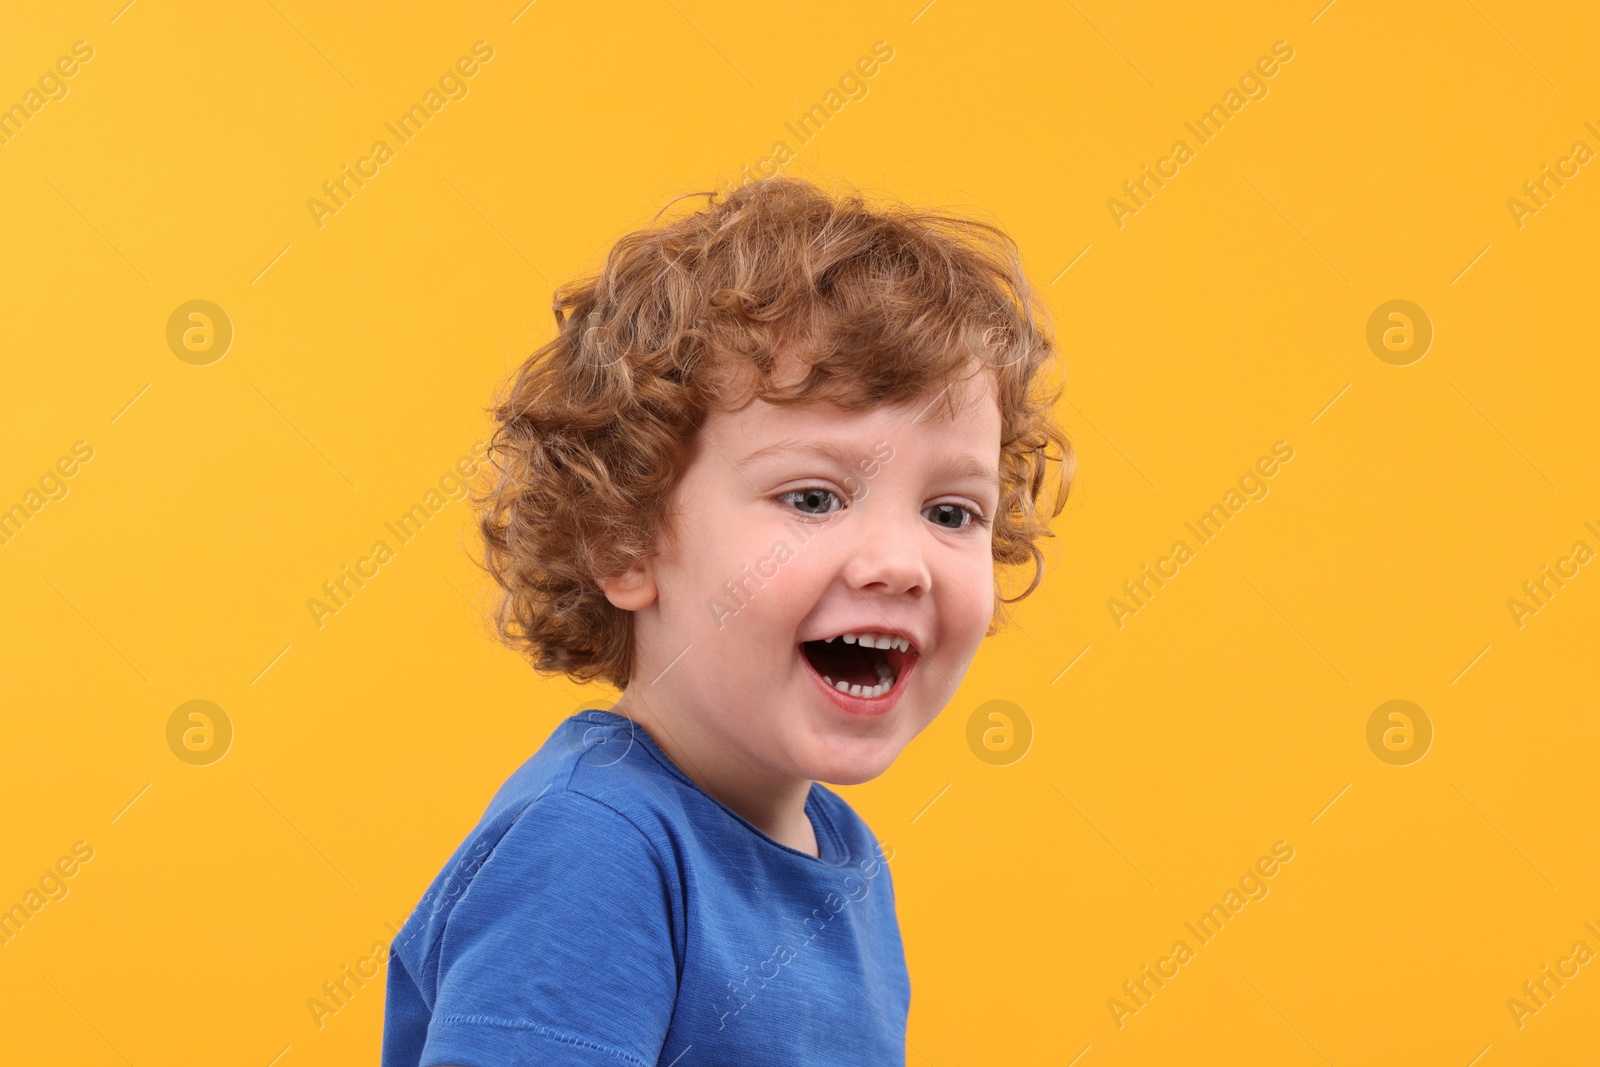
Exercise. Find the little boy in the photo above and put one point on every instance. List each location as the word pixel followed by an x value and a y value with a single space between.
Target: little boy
pixel 760 482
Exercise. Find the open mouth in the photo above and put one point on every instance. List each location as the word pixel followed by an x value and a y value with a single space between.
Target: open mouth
pixel 855 668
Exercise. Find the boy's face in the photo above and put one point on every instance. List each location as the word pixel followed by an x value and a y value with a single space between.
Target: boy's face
pixel 793 546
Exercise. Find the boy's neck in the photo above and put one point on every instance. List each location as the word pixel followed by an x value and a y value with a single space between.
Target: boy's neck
pixel 775 807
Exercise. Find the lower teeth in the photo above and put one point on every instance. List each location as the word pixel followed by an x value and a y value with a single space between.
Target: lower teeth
pixel 885 683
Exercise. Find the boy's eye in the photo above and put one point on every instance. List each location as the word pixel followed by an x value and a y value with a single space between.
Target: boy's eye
pixel 947 516
pixel 953 512
pixel 809 497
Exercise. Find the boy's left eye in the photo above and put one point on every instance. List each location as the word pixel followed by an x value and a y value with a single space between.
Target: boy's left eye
pixel 817 495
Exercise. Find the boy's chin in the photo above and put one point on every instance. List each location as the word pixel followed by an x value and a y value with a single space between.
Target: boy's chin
pixel 855 767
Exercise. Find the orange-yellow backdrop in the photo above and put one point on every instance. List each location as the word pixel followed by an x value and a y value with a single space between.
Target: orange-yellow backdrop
pixel 1203 322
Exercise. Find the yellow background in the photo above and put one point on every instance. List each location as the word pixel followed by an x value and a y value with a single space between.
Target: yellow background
pixel 1228 314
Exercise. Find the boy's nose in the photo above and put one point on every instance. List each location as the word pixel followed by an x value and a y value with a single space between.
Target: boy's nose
pixel 886 558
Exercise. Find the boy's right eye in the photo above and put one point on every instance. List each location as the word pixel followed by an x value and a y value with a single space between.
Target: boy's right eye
pixel 809 496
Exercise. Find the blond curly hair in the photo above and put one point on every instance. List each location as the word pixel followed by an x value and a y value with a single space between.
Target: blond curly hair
pixel 881 302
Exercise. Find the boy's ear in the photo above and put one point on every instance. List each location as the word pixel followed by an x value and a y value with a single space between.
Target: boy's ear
pixel 632 590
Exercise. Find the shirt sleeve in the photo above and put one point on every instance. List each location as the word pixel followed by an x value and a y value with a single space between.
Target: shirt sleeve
pixel 561 951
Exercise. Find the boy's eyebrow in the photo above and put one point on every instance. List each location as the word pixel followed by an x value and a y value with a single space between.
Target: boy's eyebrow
pixel 962 466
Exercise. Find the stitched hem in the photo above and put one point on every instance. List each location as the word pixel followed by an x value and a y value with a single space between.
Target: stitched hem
pixel 543 1031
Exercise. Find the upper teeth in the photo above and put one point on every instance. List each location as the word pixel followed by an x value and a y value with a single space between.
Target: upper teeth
pixel 872 640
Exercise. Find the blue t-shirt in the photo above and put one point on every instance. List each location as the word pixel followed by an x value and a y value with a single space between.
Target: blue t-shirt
pixel 607 910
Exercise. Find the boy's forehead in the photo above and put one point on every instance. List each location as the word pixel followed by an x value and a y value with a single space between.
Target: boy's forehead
pixel 761 428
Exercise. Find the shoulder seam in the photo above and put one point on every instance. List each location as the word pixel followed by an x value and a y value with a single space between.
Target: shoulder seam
pixel 668 870
pixel 569 791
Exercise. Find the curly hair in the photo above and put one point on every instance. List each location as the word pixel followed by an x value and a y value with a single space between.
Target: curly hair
pixel 882 303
